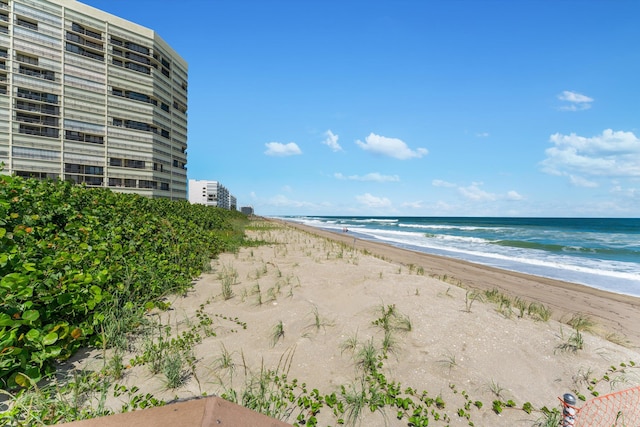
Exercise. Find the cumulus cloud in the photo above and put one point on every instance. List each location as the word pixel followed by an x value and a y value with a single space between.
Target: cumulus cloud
pixel 373 176
pixel 331 140
pixel 371 201
pixel 279 149
pixel 392 147
pixel 576 101
pixel 611 154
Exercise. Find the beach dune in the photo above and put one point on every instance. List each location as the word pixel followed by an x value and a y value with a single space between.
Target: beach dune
pixel 307 303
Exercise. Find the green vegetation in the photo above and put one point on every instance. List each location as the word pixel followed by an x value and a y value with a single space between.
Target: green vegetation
pixel 73 259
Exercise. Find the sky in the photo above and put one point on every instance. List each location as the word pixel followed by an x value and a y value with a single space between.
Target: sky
pixel 410 107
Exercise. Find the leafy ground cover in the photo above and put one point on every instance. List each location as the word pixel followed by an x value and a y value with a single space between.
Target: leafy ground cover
pixel 73 258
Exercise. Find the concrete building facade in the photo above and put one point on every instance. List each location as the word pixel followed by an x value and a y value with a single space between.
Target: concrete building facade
pixel 211 193
pixel 89 97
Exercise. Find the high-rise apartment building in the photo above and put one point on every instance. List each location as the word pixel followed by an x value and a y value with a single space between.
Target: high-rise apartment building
pixel 92 98
pixel 211 193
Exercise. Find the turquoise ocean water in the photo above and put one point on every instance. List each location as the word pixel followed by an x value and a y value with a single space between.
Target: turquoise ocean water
pixel 602 253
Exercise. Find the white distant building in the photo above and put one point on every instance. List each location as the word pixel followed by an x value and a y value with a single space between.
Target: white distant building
pixel 210 193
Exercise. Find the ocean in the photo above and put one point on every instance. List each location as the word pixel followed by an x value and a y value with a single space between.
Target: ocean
pixel 603 253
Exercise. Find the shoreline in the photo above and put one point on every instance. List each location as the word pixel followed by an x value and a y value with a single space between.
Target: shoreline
pixel 612 312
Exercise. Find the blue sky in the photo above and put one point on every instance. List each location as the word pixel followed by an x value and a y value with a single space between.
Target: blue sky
pixel 416 108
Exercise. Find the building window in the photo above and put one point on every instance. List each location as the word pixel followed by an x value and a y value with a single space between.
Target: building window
pixel 36 118
pixel 132 124
pixel 137 67
pixel 80 29
pixel 136 96
pixel 147 184
pixel 38 96
pixel 21 57
pixel 39 108
pixel 82 51
pixel 90 175
pixel 130 183
pixel 32 25
pixel 115 162
pixel 38 131
pixel 93 170
pixel 136 164
pixel 83 137
pixel 138 58
pixel 37 175
pixel 136 47
pixel 34 72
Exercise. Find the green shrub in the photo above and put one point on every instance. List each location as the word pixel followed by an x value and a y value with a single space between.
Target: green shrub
pixel 68 254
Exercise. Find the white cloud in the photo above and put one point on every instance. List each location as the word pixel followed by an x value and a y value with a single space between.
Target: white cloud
pixel 374 176
pixel 391 147
pixel 579 181
pixel 611 154
pixel 332 141
pixel 280 150
pixel 482 134
pixel 473 192
pixel 371 201
pixel 577 101
pixel 514 195
pixel 441 183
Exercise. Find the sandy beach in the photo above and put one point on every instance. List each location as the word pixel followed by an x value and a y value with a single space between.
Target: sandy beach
pixel 323 293
pixel 615 313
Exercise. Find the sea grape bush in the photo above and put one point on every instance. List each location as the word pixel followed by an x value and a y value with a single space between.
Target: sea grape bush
pixel 69 253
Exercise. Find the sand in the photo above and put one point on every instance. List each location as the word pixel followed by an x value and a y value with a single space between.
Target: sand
pixel 326 290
